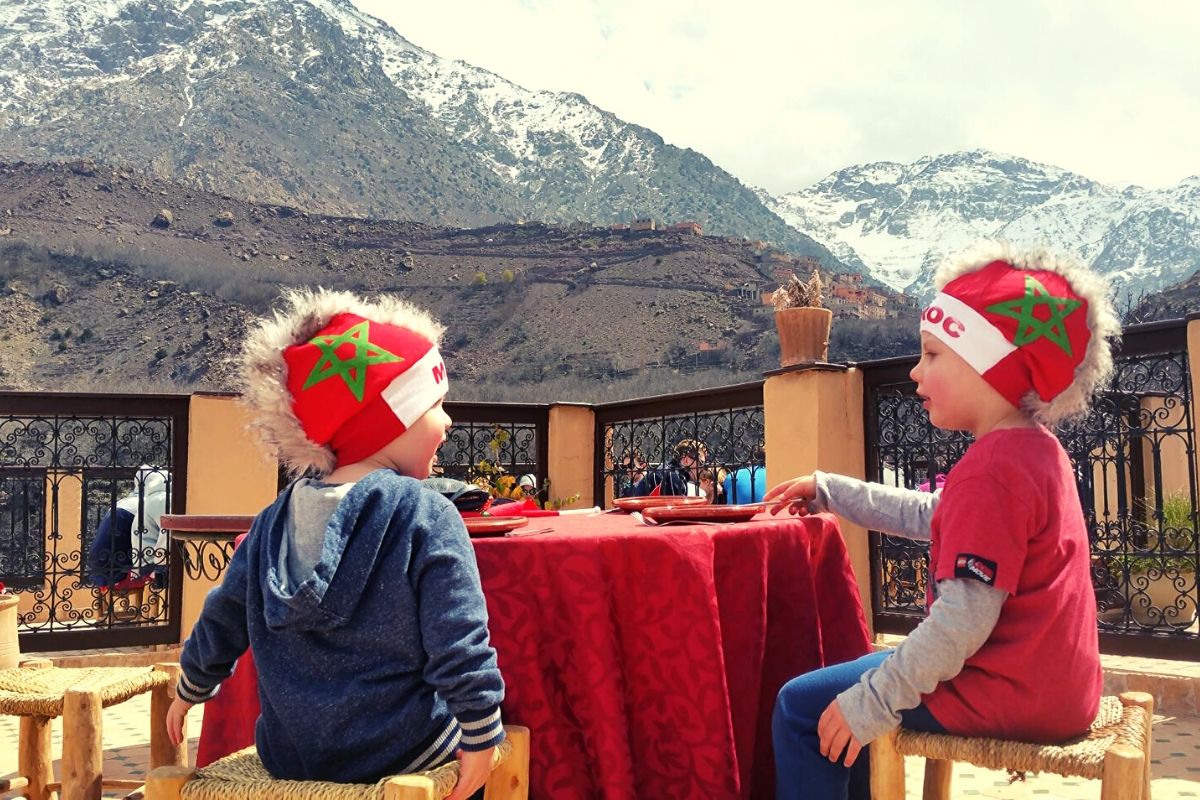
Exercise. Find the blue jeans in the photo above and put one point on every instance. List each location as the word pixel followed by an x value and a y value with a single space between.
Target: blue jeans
pixel 801 772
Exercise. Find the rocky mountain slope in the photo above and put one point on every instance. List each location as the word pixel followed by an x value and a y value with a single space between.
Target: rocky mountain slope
pixel 100 290
pixel 898 221
pixel 314 104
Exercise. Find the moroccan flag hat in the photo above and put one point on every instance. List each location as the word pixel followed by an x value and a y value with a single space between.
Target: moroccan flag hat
pixel 1035 327
pixel 333 378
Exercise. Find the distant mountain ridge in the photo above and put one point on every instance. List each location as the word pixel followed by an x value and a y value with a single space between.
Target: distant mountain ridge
pixel 898 221
pixel 315 104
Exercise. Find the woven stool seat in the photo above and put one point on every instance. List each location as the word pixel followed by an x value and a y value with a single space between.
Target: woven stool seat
pixel 242 774
pixel 1082 757
pixel 37 692
pixel 40 692
pixel 1115 751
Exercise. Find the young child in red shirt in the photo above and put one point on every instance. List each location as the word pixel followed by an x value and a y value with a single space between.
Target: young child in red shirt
pixel 1010 344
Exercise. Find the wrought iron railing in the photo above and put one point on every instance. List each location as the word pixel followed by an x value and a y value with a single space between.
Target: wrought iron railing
pixel 511 436
pixel 65 462
pixel 636 438
pixel 1135 465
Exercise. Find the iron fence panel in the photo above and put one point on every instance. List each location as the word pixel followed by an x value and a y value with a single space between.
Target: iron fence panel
pixel 65 462
pixel 497 439
pixel 638 437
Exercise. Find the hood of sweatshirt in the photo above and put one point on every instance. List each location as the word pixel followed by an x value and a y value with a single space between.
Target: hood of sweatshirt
pixel 354 535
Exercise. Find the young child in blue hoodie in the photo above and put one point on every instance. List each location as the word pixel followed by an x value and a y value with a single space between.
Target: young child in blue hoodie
pixel 357 588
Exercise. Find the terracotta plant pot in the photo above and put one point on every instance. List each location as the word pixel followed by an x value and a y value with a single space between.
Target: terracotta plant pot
pixel 803 334
pixel 9 653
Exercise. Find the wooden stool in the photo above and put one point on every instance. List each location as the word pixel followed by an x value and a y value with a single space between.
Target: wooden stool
pixel 1116 751
pixel 37 692
pixel 241 776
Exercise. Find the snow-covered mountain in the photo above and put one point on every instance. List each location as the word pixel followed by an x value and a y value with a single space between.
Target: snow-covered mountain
pixel 898 221
pixel 315 104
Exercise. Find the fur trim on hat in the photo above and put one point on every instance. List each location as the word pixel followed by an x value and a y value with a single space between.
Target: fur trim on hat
pixel 1094 372
pixel 264 372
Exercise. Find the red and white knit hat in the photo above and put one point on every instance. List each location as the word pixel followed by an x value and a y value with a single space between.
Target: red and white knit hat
pixel 332 378
pixel 1036 328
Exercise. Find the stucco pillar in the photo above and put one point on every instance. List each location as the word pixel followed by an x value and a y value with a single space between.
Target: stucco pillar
pixel 813 416
pixel 572 449
pixel 227 474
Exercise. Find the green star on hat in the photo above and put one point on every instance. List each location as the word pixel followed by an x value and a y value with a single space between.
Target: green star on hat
pixel 1029 327
pixel 352 370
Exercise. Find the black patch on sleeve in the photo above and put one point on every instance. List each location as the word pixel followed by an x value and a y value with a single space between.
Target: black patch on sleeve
pixel 968 565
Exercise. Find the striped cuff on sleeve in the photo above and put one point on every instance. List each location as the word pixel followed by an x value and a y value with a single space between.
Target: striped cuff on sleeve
pixel 192 693
pixel 481 729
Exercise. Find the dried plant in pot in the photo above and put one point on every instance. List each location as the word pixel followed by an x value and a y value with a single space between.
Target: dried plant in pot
pixel 803 324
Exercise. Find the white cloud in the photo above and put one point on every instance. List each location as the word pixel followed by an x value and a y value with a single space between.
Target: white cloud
pixel 781 94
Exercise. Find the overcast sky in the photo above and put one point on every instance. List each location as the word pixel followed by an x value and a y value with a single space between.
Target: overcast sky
pixel 781 93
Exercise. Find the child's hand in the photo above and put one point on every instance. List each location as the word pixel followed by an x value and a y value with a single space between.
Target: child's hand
pixel 836 736
pixel 176 716
pixel 474 766
pixel 794 495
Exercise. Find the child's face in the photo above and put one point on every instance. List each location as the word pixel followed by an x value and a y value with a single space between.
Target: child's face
pixel 955 395
pixel 413 452
pixel 635 468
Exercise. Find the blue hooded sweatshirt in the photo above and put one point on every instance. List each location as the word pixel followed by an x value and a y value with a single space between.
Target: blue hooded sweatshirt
pixel 379 662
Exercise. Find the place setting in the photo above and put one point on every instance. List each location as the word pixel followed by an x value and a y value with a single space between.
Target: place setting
pixel 696 514
pixel 504 526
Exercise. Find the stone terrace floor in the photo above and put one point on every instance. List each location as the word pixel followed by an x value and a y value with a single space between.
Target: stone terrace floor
pixel 1176 755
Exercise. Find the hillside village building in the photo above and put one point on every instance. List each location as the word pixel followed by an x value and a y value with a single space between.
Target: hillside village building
pixel 691 227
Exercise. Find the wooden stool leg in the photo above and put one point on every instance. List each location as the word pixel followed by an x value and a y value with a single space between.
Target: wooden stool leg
pixel 162 752
pixel 510 779
pixel 887 768
pixel 33 756
pixel 409 787
pixel 1123 773
pixel 166 783
pixel 81 754
pixel 938 773
pixel 1146 701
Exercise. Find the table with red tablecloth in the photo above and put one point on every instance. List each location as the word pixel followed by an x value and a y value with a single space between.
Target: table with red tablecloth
pixel 644 660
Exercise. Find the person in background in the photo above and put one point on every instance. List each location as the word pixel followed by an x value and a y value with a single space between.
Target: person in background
pixel 126 550
pixel 747 484
pixel 679 476
pixel 712 479
pixel 632 470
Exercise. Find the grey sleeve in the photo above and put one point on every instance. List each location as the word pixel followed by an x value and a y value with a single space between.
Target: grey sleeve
pixel 960 621
pixel 901 512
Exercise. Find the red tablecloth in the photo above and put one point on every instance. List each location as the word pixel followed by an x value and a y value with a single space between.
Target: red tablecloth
pixel 645 661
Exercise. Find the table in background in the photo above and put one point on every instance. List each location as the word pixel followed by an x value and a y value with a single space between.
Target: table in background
pixel 645 661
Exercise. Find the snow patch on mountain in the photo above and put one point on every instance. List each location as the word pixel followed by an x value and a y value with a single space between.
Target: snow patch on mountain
pixel 899 221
